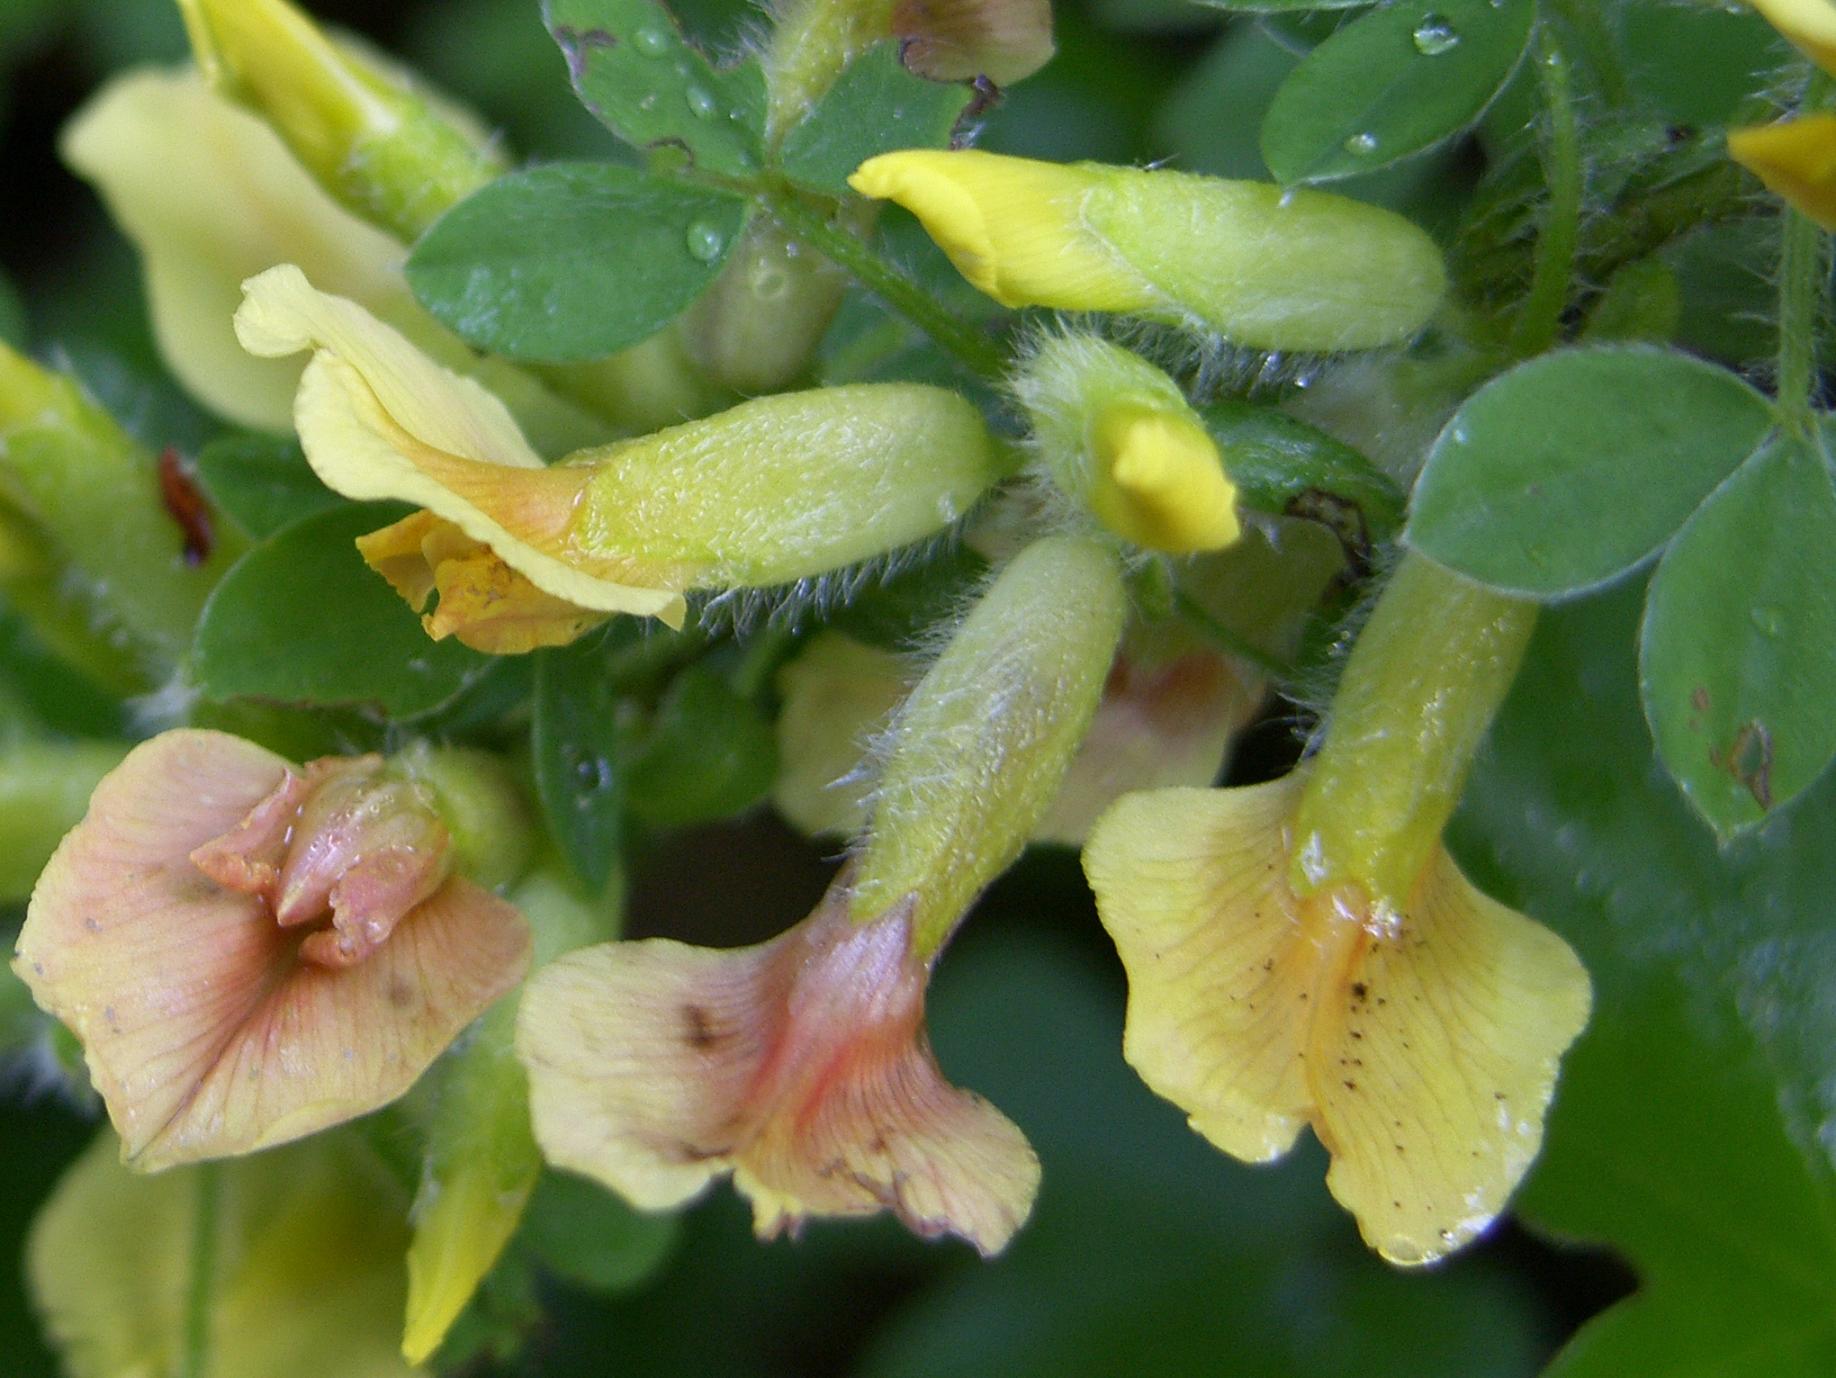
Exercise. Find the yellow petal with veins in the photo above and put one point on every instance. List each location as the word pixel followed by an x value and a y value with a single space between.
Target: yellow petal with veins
pixel 1810 25
pixel 1219 973
pixel 1796 159
pixel 1435 1062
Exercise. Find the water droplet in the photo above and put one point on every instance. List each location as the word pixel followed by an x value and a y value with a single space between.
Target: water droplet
pixel 648 101
pixel 700 103
pixel 1771 621
pixel 592 773
pixel 651 42
pixel 705 241
pixel 1362 143
pixel 1285 200
pixel 1434 36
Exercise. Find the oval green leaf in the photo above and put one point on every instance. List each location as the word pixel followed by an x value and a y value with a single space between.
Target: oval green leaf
pixel 572 261
pixel 875 105
pixel 262 482
pixel 631 66
pixel 1738 653
pixel 302 619
pixel 709 753
pixel 1574 467
pixel 1287 468
pixel 1391 84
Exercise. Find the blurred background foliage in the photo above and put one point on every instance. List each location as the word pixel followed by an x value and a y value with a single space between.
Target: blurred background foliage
pixel 1691 1130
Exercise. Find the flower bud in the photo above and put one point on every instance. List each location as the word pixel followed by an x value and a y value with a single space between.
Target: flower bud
pixel 975 756
pixel 1118 437
pixel 1796 159
pixel 366 135
pixel 1260 265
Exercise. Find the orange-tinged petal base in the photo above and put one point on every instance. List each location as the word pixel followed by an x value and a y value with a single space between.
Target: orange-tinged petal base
pixel 484 602
pixel 207 1030
pixel 800 1065
pixel 1422 1046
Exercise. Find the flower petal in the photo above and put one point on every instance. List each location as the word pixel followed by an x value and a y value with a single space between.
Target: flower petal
pixel 379 419
pixel 1192 886
pixel 1794 158
pixel 1433 1066
pixel 835 694
pixel 204 1033
pixel 1810 25
pixel 798 1064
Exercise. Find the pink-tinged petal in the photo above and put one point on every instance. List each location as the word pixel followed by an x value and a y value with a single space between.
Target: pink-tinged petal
pixel 799 1065
pixel 204 1032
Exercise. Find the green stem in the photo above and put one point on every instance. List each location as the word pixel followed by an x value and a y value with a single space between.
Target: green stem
pixel 1801 274
pixel 1540 322
pixel 1228 641
pixel 200 1288
pixel 963 341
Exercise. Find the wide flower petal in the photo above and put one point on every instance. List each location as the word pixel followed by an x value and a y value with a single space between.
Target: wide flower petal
pixel 1435 1061
pixel 1796 159
pixel 1219 973
pixel 379 419
pixel 799 1065
pixel 204 1031
pixel 1422 1046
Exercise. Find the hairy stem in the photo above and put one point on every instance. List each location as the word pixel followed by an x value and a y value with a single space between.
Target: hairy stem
pixel 1540 321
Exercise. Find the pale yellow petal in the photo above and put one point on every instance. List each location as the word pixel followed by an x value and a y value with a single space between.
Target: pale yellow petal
pixel 308 1266
pixel 835 695
pixel 209 196
pixel 1192 886
pixel 1810 25
pixel 1161 482
pixel 1434 1064
pixel 1795 158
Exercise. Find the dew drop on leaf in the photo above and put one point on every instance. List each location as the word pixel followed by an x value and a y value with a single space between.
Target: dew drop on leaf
pixel 705 241
pixel 1434 36
pixel 651 42
pixel 1362 143
pixel 700 103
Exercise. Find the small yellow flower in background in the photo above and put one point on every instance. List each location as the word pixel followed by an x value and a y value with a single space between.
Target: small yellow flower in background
pixel 525 555
pixel 1279 269
pixel 1796 158
pixel 1117 436
pixel 1306 952
pixel 249 953
pixel 307 1278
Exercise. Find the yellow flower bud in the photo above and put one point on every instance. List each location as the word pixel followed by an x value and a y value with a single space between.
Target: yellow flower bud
pixel 369 138
pixel 1263 266
pixel 1794 158
pixel 1117 436
pixel 1810 26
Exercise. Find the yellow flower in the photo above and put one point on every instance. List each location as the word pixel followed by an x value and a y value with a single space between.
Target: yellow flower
pixel 307 1277
pixel 1274 269
pixel 799 1066
pixel 1796 158
pixel 249 953
pixel 1420 1043
pixel 524 555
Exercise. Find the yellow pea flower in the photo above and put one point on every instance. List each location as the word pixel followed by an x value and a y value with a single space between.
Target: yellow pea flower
pixel 1796 158
pixel 1263 266
pixel 250 952
pixel 525 555
pixel 1306 953
pixel 800 1065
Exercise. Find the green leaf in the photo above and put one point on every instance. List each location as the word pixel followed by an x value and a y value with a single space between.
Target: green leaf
pixel 302 619
pixel 1696 64
pixel 1391 84
pixel 1572 468
pixel 708 754
pixel 633 69
pixel 874 106
pixel 583 1233
pixel 1738 650
pixel 575 737
pixel 1690 1129
pixel 572 261
pixel 262 482
pixel 1282 6
pixel 1287 468
pixel 14 327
